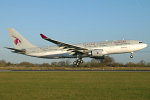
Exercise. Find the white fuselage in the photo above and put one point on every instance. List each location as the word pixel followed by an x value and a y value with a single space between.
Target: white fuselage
pixel 108 47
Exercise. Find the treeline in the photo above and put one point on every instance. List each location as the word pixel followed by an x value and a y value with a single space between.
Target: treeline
pixel 107 62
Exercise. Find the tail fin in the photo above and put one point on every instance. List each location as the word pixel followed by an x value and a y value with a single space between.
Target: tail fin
pixel 18 40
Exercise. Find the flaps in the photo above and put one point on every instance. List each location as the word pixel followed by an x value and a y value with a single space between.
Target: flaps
pixel 69 47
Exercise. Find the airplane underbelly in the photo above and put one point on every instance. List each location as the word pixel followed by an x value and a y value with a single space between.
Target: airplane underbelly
pixel 123 49
pixel 118 49
pixel 135 47
pixel 54 55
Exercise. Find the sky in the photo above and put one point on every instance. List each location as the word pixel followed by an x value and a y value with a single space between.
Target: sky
pixel 75 21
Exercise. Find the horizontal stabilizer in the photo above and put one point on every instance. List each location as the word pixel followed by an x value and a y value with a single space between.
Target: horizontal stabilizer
pixel 23 51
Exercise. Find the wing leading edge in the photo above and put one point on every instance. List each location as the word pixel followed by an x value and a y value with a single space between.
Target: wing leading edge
pixel 69 47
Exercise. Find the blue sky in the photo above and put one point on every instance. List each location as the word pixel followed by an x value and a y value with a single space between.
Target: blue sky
pixel 75 21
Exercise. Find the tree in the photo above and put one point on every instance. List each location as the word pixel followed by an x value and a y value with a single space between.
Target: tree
pixel 26 64
pixel 64 63
pixel 115 64
pixel 2 63
pixel 107 61
pixel 148 64
pixel 54 64
pixel 130 64
pixel 45 65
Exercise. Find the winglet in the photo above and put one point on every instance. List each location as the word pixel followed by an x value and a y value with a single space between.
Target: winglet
pixel 43 36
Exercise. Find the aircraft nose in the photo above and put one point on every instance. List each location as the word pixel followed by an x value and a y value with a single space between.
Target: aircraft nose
pixel 144 45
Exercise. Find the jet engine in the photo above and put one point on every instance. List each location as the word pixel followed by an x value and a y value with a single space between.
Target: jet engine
pixel 96 53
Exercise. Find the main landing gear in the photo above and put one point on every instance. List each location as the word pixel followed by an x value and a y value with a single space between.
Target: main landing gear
pixel 78 62
pixel 131 55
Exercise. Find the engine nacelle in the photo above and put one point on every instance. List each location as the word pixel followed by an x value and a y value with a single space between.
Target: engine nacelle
pixel 96 53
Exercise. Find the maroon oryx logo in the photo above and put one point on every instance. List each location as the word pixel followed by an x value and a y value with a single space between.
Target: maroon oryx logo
pixel 16 40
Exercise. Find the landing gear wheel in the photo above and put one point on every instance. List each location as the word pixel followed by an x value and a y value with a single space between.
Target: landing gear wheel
pixel 75 62
pixel 131 56
pixel 78 62
pixel 81 61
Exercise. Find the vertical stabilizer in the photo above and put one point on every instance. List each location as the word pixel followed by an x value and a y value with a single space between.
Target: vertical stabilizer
pixel 18 40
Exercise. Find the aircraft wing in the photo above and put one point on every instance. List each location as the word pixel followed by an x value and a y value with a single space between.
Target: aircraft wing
pixel 17 50
pixel 69 47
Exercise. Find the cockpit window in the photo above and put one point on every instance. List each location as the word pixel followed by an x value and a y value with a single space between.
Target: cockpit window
pixel 140 42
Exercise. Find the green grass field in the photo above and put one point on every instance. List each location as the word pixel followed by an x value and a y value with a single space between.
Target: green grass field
pixel 74 85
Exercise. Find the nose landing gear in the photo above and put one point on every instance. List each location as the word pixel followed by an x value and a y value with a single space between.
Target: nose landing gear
pixel 131 55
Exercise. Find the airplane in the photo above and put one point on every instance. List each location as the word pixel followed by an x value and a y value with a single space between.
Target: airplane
pixel 96 50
